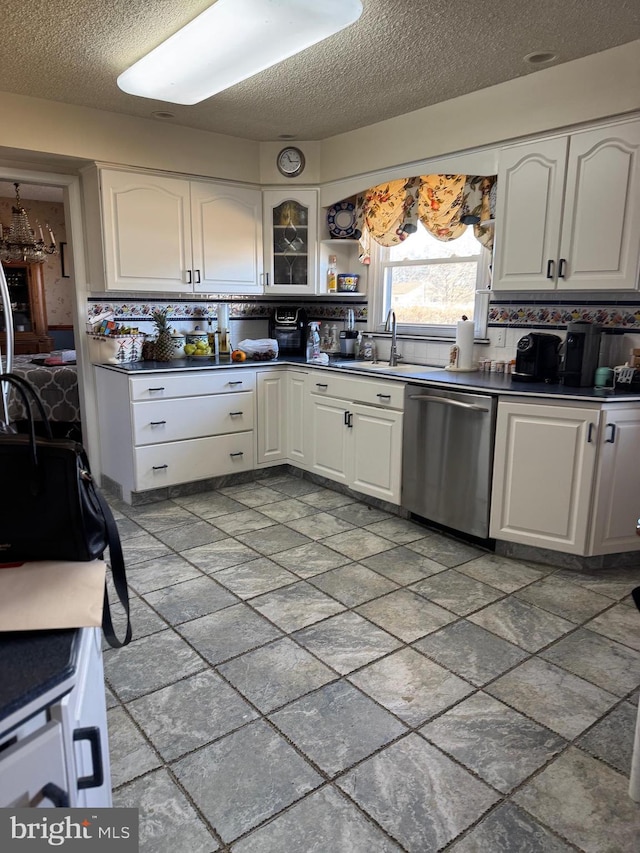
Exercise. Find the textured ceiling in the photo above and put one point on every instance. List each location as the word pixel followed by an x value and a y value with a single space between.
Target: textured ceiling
pixel 401 55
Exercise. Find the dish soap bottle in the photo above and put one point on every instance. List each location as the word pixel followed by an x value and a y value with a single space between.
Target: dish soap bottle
pixel 369 349
pixel 332 274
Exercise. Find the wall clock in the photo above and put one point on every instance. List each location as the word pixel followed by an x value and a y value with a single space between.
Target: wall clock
pixel 290 162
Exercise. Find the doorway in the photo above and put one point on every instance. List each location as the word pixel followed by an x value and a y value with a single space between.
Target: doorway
pixel 67 188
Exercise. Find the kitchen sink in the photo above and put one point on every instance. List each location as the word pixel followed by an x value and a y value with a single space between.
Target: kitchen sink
pixel 382 367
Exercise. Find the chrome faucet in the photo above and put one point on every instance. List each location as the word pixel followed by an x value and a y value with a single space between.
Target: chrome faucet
pixel 391 326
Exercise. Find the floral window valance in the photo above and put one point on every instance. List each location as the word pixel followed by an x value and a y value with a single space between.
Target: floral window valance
pixel 444 204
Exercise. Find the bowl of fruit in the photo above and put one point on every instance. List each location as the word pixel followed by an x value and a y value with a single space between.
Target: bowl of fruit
pixel 199 349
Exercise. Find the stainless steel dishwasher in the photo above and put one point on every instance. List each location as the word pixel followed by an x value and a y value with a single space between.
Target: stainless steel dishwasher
pixel 448 457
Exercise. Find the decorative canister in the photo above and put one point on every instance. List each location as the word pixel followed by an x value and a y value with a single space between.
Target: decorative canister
pixel 178 344
pixel 347 282
pixel 197 335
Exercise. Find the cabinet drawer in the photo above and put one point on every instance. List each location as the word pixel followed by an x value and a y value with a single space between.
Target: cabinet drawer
pixel 159 465
pixel 220 381
pixel 29 765
pixel 358 390
pixel 173 420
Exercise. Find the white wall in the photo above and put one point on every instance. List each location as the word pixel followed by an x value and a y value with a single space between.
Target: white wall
pixel 597 86
pixel 35 125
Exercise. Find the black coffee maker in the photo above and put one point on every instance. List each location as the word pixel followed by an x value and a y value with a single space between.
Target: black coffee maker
pixel 579 354
pixel 288 326
pixel 537 358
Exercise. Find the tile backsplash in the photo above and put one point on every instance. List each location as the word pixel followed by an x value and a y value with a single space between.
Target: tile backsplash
pixel 624 315
pixel 509 320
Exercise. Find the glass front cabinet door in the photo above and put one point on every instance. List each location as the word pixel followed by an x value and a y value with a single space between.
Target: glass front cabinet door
pixel 290 228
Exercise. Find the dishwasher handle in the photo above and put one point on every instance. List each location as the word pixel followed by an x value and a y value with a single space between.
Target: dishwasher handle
pixel 448 402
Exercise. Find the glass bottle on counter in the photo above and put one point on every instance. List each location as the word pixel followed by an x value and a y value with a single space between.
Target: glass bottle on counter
pixel 332 274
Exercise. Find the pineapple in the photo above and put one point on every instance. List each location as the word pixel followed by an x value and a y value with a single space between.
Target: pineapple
pixel 164 342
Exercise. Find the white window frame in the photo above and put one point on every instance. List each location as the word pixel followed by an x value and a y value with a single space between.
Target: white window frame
pixel 380 290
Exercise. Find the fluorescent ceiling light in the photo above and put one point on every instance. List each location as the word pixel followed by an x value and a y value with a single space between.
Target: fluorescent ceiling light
pixel 230 41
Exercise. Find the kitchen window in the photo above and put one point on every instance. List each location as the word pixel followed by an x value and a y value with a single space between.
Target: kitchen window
pixel 430 284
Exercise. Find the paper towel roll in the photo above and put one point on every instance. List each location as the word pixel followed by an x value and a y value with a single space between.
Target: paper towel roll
pixel 464 342
pixel 223 315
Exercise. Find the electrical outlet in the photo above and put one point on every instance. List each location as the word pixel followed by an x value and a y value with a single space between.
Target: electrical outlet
pixel 500 337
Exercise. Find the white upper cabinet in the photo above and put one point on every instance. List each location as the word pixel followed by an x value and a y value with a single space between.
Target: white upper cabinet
pixel 291 241
pixel 528 214
pixel 568 212
pixel 600 245
pixel 173 235
pixel 226 233
pixel 147 232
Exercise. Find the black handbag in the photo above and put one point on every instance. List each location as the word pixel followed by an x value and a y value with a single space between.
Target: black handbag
pixel 50 507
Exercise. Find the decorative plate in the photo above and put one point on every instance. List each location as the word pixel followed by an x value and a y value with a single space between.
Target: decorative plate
pixel 341 220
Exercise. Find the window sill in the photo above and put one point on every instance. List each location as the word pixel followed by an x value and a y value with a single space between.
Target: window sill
pixel 412 336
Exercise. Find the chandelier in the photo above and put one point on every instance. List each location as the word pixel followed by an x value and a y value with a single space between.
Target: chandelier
pixel 18 242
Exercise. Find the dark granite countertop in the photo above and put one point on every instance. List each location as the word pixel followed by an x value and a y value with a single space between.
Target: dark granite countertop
pixel 35 665
pixel 492 383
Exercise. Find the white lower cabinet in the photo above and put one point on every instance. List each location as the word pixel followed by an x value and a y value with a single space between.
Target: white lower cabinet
pixel 357 445
pixel 377 452
pixel 272 427
pixel 617 493
pixel 566 477
pixel 33 770
pixel 83 717
pixel 297 417
pixel 330 439
pixel 177 462
pixel 282 422
pixel 162 429
pixel 59 756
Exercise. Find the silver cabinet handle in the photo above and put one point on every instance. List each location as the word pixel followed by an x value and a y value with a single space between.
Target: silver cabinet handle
pixel 612 434
pixel 445 401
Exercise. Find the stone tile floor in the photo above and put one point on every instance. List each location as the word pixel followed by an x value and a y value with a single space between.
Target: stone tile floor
pixel 312 675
